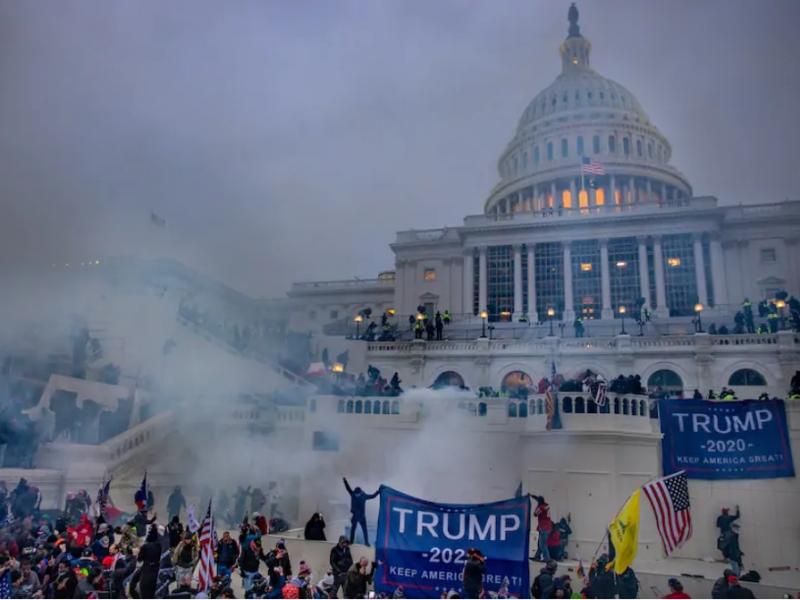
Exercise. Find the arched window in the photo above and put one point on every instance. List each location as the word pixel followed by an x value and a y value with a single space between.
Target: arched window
pixel 536 155
pixel 349 406
pixel 747 377
pixel 386 408
pixel 540 406
pixel 523 409
pixel 515 380
pixel 626 146
pixel 624 406
pixel 448 379
pixel 512 409
pixel 549 150
pixel 482 409
pixel 567 404
pixel 359 407
pixel 666 379
pixel 367 407
pixel 634 407
pixel 580 145
pixel 579 405
pixel 340 406
pixel 395 407
pixel 596 144
pixel 612 144
pixel 639 147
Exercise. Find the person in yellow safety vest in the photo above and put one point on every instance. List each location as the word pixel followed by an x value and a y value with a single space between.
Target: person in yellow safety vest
pixel 523 318
pixel 419 329
pixel 772 319
pixel 446 317
pixel 794 396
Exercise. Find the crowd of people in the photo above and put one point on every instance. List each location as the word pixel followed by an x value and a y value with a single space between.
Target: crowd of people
pixel 370 384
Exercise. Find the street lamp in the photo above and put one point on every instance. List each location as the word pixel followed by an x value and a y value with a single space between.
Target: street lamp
pixel 484 315
pixel 358 319
pixel 779 304
pixel 698 308
pixel 622 311
pixel 551 312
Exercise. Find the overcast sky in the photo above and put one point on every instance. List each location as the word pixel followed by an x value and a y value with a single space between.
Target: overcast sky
pixel 289 140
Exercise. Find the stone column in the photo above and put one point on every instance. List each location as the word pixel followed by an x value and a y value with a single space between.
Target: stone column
pixel 662 310
pixel 573 194
pixel 533 314
pixel 644 272
pixel 517 281
pixel 612 184
pixel 467 307
pixel 720 281
pixel 482 282
pixel 700 271
pixel 605 281
pixel 569 303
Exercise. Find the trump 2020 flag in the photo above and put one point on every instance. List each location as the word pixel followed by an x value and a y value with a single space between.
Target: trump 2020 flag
pixel 422 546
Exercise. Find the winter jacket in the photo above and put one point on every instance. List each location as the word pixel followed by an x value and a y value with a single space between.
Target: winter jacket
pixel 228 553
pixel 543 585
pixel 341 559
pixel 185 555
pixel 355 586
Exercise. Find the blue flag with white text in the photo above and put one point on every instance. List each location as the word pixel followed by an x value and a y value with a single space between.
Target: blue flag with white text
pixel 746 439
pixel 422 546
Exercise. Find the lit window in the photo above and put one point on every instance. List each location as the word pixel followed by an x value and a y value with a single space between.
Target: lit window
pixel 674 262
pixel 586 266
pixel 621 264
pixel 768 255
pixel 430 275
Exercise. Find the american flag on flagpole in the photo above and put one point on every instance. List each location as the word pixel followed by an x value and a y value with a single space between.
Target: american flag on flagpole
pixel 551 401
pixel 207 565
pixel 669 499
pixel 591 166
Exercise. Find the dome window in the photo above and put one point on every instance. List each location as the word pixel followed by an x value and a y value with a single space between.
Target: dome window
pixel 650 150
pixel 553 101
pixel 589 95
pixel 564 98
pixel 612 144
pixel 626 146
pixel 639 147
pixel 577 95
pixel 525 160
pixel 536 155
pixel 580 145
pixel 602 96
pixel 549 150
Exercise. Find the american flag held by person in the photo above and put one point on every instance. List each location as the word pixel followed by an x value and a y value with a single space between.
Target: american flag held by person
pixel 669 499
pixel 208 566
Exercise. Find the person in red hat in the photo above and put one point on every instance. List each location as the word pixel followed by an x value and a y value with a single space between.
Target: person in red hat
pixel 676 589
pixel 474 568
pixel 735 590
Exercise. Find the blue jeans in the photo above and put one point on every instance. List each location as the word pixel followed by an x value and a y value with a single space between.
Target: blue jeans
pixel 543 551
pixel 734 567
pixel 247 579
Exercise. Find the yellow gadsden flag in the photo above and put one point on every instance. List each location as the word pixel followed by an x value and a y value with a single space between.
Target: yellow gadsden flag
pixel 623 532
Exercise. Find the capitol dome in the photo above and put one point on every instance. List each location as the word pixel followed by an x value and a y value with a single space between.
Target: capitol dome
pixel 584 145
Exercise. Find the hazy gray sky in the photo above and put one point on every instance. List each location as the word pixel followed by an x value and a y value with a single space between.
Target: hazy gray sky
pixel 289 140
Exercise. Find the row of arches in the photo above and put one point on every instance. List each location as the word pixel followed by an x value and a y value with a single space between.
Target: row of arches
pixel 619 406
pixel 368 407
pixel 666 379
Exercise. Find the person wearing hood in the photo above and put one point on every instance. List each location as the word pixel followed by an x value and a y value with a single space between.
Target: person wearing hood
pixel 279 557
pixel 358 510
pixel 359 576
pixel 150 558
pixel 175 502
pixel 315 528
pixel 175 530
pixel 544 584
pixel 628 584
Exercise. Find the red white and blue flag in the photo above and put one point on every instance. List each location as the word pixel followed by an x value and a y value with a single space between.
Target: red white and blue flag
pixel 600 397
pixel 208 566
pixel 590 166
pixel 669 499
pixel 551 400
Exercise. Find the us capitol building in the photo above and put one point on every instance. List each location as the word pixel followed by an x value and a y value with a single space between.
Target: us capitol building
pixel 558 239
